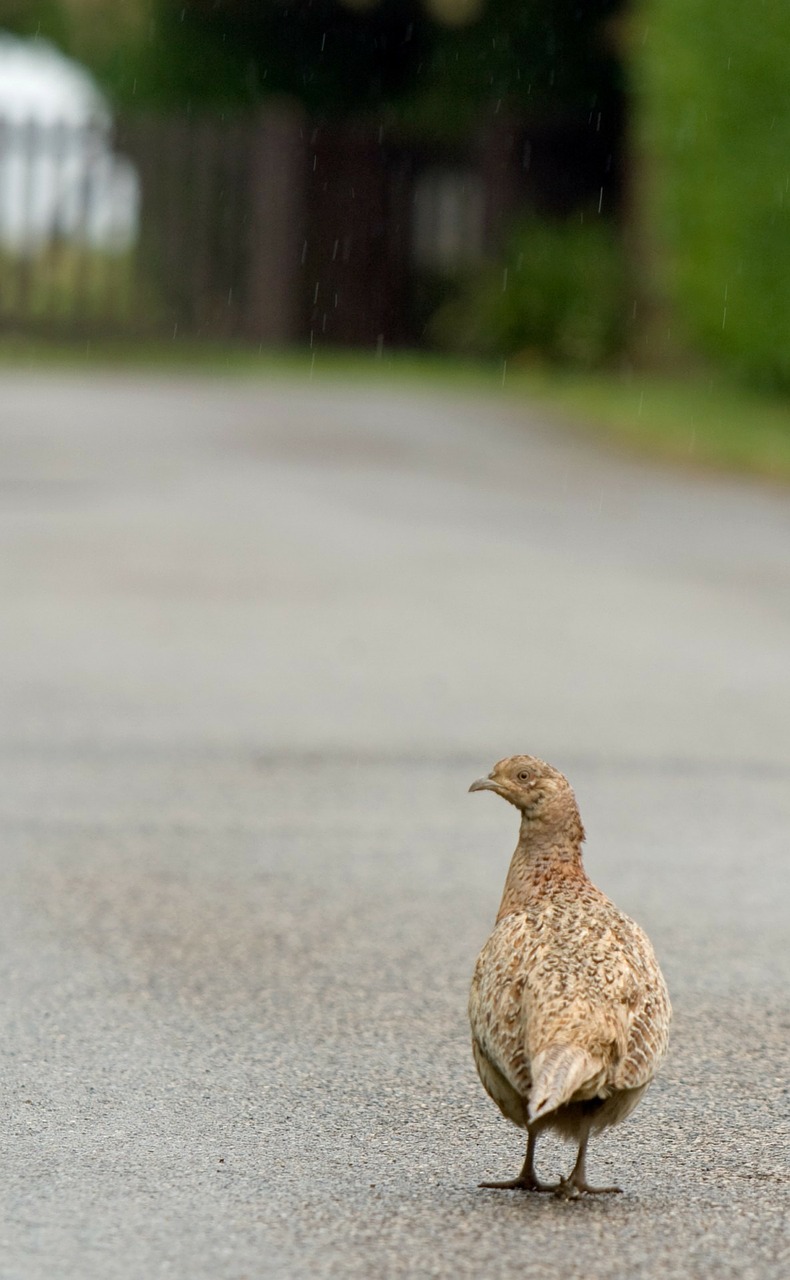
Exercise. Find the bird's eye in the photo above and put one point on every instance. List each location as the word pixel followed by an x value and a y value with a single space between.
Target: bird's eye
pixel 523 776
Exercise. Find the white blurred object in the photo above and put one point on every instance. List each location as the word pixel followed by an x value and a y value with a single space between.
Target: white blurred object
pixel 59 178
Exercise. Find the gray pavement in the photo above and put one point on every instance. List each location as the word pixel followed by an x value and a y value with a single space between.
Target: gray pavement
pixel 257 639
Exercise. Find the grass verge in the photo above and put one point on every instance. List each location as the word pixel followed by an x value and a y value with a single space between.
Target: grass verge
pixel 707 422
pixel 701 423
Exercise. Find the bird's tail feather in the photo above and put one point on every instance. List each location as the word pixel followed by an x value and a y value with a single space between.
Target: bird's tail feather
pixel 557 1073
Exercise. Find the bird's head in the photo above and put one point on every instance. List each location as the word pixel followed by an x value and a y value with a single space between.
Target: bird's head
pixel 536 788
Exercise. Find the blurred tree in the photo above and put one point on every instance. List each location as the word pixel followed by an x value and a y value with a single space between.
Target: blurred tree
pixel 322 52
pixel 47 18
pixel 437 61
pixel 437 65
pixel 543 59
pixel 711 83
pixel 108 36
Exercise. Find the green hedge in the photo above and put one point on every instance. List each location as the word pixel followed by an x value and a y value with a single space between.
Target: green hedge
pixel 557 294
pixel 712 87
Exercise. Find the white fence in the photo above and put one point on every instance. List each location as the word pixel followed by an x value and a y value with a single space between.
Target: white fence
pixel 64 183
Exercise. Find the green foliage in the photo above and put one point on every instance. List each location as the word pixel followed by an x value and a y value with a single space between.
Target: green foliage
pixel 237 52
pixel 558 294
pixel 543 58
pixel 47 18
pixel 712 79
pixel 63 285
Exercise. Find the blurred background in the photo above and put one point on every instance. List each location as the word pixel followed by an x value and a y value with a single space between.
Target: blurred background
pixel 598 187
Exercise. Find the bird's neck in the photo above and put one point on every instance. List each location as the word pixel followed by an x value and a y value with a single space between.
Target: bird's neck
pixel 544 853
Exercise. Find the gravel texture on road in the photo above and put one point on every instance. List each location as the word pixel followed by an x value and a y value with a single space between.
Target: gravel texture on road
pixel 258 638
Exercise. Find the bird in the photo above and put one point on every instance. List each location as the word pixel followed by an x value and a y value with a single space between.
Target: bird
pixel 568 1007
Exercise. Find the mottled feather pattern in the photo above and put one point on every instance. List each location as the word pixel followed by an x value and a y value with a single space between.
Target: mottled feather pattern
pixel 568 1008
pixel 573 969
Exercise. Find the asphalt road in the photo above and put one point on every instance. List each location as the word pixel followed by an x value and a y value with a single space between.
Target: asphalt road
pixel 256 640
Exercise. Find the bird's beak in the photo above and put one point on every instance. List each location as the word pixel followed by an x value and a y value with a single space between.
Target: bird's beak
pixel 483 784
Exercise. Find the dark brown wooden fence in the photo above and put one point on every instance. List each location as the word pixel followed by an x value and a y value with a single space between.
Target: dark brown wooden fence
pixel 165 225
pixel 222 218
pixel 272 229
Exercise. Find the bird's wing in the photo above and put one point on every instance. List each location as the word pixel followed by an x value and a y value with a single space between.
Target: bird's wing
pixel 645 1000
pixel 549 980
pixel 602 999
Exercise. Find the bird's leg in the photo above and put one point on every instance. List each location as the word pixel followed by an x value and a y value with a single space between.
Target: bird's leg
pixel 527 1180
pixel 577 1183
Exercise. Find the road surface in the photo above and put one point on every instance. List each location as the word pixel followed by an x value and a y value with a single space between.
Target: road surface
pixel 257 638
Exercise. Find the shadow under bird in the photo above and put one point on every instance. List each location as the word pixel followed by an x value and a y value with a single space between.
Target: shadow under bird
pixel 569 1010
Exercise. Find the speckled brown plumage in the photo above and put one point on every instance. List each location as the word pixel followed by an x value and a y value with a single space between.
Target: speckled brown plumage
pixel 569 1010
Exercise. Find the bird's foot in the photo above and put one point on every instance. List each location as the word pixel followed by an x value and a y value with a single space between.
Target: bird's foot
pixel 572 1188
pixel 521 1184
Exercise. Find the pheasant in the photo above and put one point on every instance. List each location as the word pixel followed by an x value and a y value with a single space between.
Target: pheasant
pixel 569 1010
